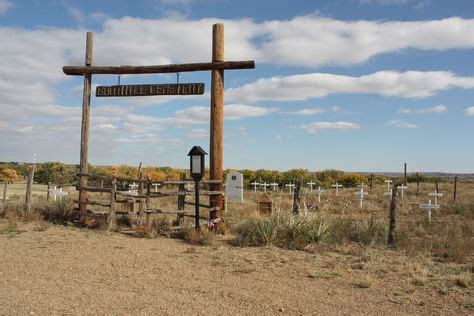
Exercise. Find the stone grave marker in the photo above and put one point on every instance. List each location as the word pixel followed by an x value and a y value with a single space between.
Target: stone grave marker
pixel 234 187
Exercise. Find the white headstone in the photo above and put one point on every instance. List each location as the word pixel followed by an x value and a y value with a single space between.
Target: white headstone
pixel 429 207
pixel 234 187
pixel 388 181
pixel 264 185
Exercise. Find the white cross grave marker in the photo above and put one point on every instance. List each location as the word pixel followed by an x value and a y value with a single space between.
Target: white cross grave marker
pixel 388 182
pixel 311 183
pixel 57 192
pixel 389 193
pixel 255 183
pixel 361 193
pixel 274 184
pixel 264 185
pixel 429 206
pixel 290 186
pixel 402 188
pixel 156 185
pixel 319 191
pixel 436 195
pixel 133 189
pixel 362 185
pixel 337 186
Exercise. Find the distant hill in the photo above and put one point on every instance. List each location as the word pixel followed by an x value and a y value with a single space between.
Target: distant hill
pixel 441 175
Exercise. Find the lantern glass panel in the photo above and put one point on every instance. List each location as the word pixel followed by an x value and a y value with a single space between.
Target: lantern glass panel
pixel 196 164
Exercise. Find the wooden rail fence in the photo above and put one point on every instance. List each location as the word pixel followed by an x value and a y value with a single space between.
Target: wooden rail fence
pixel 144 198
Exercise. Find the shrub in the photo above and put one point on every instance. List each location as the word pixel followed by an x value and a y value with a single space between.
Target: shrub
pixel 9 228
pixel 368 232
pixel 262 232
pixel 60 211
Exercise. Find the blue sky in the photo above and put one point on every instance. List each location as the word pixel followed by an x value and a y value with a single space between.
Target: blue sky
pixel 357 85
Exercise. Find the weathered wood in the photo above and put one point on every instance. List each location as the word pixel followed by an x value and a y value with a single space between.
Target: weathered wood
pixel 393 217
pixel 141 202
pixel 97 203
pixel 181 200
pixel 297 198
pixel 112 217
pixel 417 181
pixel 130 179
pixel 92 176
pixel 29 187
pixel 92 189
pixel 217 115
pixel 437 188
pixel 371 180
pixel 172 68
pixel 455 188
pixel 405 175
pixel 5 188
pixel 86 104
pixel 47 192
pixel 150 90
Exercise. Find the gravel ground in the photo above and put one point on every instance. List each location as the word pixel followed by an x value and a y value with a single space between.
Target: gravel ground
pixel 66 270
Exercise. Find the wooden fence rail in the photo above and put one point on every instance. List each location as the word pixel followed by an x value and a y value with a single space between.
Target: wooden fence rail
pixel 144 197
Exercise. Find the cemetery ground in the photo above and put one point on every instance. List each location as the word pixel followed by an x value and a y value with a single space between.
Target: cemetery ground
pixel 50 268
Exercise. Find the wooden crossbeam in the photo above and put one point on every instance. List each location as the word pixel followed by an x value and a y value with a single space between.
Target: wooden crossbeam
pixel 123 70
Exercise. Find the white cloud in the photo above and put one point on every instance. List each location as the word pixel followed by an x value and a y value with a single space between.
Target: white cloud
pixel 470 111
pixel 279 138
pixel 199 115
pixel 340 126
pixel 437 109
pixel 409 84
pixel 308 112
pixel 401 124
pixel 5 5
pixel 198 133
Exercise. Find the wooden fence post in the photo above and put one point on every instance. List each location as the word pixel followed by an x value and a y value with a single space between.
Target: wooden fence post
pixel 141 204
pixel 5 186
pixel 112 219
pixel 393 216
pixel 455 187
pixel 148 200
pixel 437 190
pixel 418 182
pixel 29 188
pixel 47 192
pixel 371 180
pixel 405 179
pixel 181 200
pixel 297 197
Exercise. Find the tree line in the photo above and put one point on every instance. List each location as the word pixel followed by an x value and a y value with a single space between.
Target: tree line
pixel 65 174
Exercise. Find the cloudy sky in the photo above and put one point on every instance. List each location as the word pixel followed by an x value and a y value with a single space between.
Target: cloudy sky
pixel 357 85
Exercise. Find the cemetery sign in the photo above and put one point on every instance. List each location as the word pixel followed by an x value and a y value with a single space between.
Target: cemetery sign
pixel 149 89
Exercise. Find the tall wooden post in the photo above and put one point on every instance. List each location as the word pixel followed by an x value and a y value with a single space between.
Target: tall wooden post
pixel 86 104
pixel 371 180
pixel 393 217
pixel 29 188
pixel 418 181
pixel 217 116
pixel 437 189
pixel 455 188
pixel 405 180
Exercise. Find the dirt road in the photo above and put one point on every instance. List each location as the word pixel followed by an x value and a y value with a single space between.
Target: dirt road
pixel 70 270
